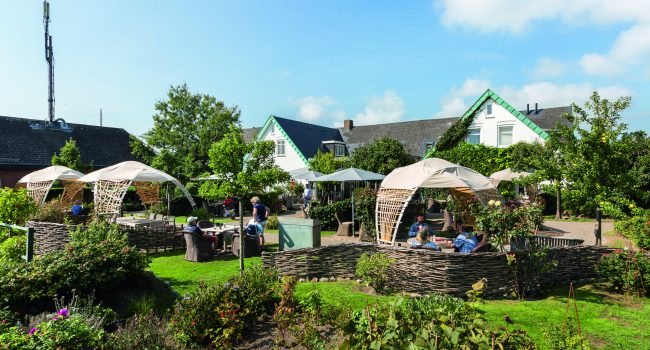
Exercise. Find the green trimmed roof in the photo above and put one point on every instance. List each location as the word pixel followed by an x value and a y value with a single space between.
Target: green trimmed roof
pixel 272 121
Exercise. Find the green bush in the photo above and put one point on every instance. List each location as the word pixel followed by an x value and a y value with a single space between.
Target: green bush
pixel 219 314
pixel 373 268
pixel 272 222
pixel 365 201
pixel 628 272
pixel 146 331
pixel 565 337
pixel 96 259
pixel 636 227
pixel 201 213
pixel 66 333
pixel 52 211
pixel 430 322
pixel 503 220
pixel 325 213
pixel 15 206
pixel 13 248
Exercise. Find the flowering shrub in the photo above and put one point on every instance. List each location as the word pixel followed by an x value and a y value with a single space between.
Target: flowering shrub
pixel 628 272
pixel 219 314
pixel 503 220
pixel 373 268
pixel 636 227
pixel 95 260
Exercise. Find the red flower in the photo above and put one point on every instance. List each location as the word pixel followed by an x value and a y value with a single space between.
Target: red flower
pixel 617 251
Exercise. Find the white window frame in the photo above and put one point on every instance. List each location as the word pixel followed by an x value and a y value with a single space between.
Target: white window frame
pixel 277 148
pixel 489 111
pixel 512 129
pixel 339 147
pixel 469 133
pixel 427 147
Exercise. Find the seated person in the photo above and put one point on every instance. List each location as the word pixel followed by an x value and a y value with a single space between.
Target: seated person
pixel 415 228
pixel 422 240
pixel 193 228
pixel 77 208
pixel 230 204
pixel 254 229
pixel 466 241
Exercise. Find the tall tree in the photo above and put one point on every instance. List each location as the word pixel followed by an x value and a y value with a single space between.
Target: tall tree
pixel 241 169
pixel 327 163
pixel 185 127
pixel 69 156
pixel 381 156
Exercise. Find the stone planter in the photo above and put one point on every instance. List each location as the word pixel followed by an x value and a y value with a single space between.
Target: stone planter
pixel 49 236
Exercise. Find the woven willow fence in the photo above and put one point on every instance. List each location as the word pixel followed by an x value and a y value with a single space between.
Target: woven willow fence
pixel 72 191
pixel 424 272
pixel 149 192
pixel 50 237
pixel 389 210
pixel 109 195
pixel 39 190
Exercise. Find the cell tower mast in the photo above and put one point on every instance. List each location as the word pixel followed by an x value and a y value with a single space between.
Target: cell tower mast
pixel 49 57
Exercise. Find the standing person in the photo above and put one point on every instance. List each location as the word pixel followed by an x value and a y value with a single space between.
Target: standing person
pixel 307 195
pixel 260 214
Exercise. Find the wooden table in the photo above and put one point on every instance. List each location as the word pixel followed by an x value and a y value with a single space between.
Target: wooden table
pixel 135 222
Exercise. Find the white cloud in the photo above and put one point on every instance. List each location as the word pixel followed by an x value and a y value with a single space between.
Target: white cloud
pixel 515 16
pixel 454 103
pixel 544 93
pixel 313 108
pixel 386 108
pixel 630 48
pixel 548 68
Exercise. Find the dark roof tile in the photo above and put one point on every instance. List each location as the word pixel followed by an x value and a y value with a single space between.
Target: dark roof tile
pixel 308 137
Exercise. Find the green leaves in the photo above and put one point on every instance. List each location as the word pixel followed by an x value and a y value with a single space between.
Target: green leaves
pixel 381 156
pixel 15 206
pixel 69 156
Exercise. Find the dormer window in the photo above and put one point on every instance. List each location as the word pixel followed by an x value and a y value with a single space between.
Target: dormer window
pixel 280 148
pixel 339 150
pixel 427 147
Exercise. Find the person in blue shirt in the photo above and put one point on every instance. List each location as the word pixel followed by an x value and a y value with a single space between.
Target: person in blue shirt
pixel 307 195
pixel 193 228
pixel 466 240
pixel 260 215
pixel 77 208
pixel 415 228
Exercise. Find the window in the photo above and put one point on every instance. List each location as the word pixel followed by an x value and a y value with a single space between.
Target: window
pixel 339 150
pixel 488 110
pixel 505 136
pixel 427 147
pixel 279 148
pixel 474 136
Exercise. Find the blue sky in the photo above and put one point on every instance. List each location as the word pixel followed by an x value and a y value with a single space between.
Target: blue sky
pixel 323 62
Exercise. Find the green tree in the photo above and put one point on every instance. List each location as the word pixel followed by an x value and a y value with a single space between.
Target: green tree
pixel 599 153
pixel 69 156
pixel 241 169
pixel 327 163
pixel 381 156
pixel 185 127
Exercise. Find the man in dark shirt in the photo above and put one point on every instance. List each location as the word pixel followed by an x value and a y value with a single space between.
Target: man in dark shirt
pixel 193 228
pixel 413 231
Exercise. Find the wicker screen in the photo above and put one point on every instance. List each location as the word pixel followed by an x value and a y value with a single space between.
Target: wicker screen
pixel 109 195
pixel 149 192
pixel 72 191
pixel 39 190
pixel 391 204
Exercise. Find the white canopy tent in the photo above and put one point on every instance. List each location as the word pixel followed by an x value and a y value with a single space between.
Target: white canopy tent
pixel 348 175
pixel 40 182
pixel 111 184
pixel 398 188
pixel 507 175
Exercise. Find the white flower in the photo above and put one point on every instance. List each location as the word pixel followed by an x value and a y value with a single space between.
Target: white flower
pixel 497 203
pixel 491 202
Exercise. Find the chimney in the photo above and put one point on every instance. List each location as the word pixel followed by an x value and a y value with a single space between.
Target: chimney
pixel 347 124
pixel 536 110
pixel 527 108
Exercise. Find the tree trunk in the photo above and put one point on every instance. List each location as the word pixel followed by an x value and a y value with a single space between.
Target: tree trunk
pixel 241 235
pixel 558 201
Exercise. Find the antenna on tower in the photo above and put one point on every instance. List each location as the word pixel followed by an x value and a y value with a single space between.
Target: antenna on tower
pixel 100 117
pixel 49 57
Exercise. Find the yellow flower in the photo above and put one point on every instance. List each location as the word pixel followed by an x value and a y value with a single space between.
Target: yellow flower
pixel 497 203
pixel 491 202
pixel 631 206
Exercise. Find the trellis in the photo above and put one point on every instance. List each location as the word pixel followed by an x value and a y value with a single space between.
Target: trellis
pixel 390 207
pixel 109 195
pixel 71 191
pixel 149 192
pixel 39 190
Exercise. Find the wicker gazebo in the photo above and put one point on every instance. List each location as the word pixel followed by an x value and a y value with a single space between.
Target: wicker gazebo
pixel 40 182
pixel 111 184
pixel 400 185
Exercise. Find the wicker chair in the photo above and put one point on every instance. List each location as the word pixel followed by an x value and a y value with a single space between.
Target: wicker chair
pixel 251 245
pixel 198 249
pixel 345 227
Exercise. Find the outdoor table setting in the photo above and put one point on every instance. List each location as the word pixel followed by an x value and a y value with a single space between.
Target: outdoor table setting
pixel 222 232
pixel 133 222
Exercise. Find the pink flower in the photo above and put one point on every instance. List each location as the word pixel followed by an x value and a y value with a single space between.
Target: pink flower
pixel 63 312
pixel 33 330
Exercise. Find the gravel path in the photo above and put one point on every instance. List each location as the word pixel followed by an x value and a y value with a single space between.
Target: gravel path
pixel 579 230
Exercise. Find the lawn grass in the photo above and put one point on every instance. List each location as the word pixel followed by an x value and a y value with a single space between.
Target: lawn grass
pixel 345 294
pixel 610 321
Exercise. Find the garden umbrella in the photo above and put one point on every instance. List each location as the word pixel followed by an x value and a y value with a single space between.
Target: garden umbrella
pixel 506 175
pixel 436 173
pixel 350 174
pixel 306 175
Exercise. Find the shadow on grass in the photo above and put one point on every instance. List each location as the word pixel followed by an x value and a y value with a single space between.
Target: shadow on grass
pixel 596 293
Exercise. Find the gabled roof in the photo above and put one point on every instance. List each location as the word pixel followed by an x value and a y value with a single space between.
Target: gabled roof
pixel 22 146
pixel 413 135
pixel 305 138
pixel 489 94
pixel 548 118
pixel 250 134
